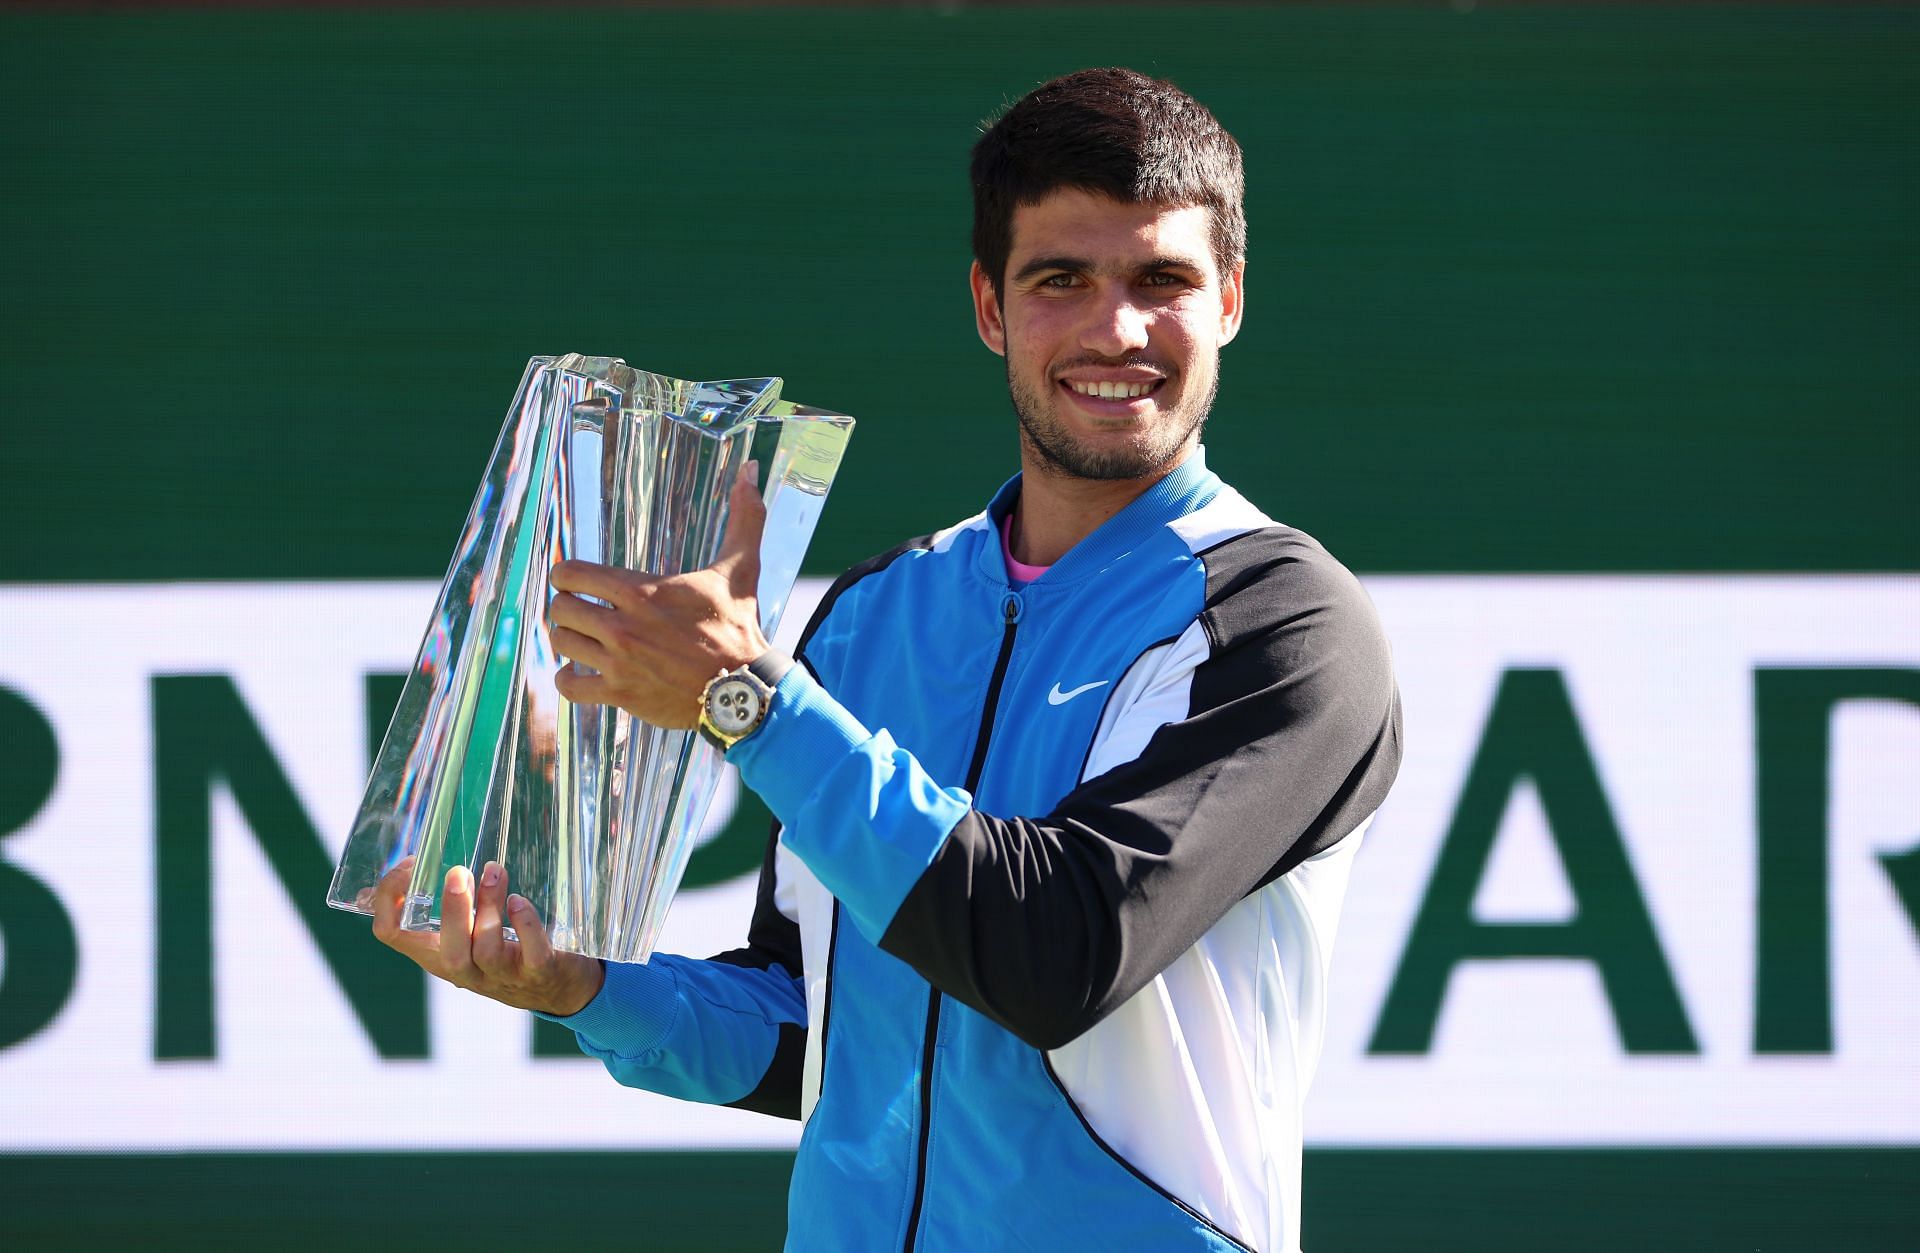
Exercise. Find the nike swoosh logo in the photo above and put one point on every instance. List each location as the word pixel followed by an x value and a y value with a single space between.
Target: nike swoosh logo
pixel 1058 697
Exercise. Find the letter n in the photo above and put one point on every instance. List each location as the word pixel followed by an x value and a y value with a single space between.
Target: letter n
pixel 203 735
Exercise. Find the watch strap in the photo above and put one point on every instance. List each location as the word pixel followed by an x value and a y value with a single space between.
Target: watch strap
pixel 771 666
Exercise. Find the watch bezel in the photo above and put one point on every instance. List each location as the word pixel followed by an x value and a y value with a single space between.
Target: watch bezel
pixel 710 728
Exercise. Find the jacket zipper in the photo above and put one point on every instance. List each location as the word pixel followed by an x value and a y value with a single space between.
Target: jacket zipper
pixel 1010 612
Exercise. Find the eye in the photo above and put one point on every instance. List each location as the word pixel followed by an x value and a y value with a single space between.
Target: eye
pixel 1057 281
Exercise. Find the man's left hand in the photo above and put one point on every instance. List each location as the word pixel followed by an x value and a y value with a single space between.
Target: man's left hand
pixel 657 641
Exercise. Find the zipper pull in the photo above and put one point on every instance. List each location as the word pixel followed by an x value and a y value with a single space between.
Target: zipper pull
pixel 1011 607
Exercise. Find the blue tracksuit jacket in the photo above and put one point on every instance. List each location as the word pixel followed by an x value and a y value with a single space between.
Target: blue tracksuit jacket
pixel 1041 942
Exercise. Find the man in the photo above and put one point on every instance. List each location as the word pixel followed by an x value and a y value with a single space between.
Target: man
pixel 1068 792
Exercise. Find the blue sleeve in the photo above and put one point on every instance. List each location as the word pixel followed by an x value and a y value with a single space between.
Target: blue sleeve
pixel 697 1030
pixel 869 826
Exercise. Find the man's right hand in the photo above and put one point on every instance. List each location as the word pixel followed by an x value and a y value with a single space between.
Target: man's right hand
pixel 471 950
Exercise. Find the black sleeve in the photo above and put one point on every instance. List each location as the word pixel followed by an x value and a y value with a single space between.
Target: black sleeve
pixel 1291 739
pixel 773 939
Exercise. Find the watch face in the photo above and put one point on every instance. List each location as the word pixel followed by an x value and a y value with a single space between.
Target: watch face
pixel 734 706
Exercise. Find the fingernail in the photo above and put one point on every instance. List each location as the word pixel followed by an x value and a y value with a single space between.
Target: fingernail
pixel 752 471
pixel 408 860
pixel 491 875
pixel 458 879
pixel 516 903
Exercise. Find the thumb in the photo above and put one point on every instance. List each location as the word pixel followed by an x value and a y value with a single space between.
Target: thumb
pixel 739 558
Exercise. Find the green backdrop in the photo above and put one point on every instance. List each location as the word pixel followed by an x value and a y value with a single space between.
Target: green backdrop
pixel 1529 290
pixel 1568 289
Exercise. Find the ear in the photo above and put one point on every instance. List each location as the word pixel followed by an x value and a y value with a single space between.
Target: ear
pixel 1233 294
pixel 987 319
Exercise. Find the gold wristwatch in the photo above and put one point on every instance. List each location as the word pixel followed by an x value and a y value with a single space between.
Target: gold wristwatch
pixel 736 702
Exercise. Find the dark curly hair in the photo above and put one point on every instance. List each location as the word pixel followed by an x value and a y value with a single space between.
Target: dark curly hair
pixel 1113 131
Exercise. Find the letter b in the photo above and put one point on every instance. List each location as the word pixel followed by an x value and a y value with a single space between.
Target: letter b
pixel 42 955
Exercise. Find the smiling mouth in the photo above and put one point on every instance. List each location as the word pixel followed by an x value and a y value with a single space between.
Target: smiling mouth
pixel 1112 390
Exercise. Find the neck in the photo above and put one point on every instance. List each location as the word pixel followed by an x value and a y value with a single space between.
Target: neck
pixel 1058 510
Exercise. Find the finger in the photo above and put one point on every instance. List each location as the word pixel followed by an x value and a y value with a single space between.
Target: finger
pixel 489 944
pixel 739 557
pixel 389 901
pixel 583 689
pixel 585 578
pixel 456 925
pixel 588 617
pixel 582 648
pixel 388 897
pixel 536 949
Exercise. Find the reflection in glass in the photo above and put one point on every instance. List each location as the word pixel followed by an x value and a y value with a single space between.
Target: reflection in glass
pixel 592 812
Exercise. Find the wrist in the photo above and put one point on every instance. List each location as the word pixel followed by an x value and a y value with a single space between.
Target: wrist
pixel 751 649
pixel 590 976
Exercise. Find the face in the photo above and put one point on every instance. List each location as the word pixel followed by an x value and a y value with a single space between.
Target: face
pixel 1111 318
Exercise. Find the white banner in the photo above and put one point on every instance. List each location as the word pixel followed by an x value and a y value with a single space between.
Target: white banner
pixel 1646 878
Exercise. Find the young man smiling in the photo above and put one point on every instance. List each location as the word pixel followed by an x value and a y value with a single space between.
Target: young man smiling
pixel 1068 793
pixel 1111 315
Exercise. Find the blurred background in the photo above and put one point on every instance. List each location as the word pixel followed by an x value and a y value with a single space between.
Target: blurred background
pixel 1588 335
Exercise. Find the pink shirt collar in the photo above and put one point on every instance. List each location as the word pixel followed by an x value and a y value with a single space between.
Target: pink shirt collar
pixel 1018 571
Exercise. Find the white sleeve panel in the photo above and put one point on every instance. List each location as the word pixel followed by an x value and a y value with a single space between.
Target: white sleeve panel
pixel 1156 689
pixel 802 898
pixel 787 877
pixel 1177 1081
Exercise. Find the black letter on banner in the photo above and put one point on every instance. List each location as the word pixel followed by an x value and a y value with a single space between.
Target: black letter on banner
pixel 1792 728
pixel 42 955
pixel 203 735
pixel 1534 734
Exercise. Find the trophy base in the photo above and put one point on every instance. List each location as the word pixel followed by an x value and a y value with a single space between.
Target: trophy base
pixel 419 916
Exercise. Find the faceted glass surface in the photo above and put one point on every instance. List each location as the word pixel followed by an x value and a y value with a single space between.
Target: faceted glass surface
pixel 593 812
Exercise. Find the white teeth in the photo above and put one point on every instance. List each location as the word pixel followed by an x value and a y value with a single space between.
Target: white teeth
pixel 1111 390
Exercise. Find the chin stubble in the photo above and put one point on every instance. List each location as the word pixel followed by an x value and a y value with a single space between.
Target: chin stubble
pixel 1058 450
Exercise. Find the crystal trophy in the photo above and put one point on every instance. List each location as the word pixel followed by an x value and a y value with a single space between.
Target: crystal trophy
pixel 592 812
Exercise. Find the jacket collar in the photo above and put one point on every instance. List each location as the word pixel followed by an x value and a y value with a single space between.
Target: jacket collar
pixel 1186 489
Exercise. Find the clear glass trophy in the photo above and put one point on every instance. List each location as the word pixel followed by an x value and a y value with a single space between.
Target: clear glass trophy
pixel 592 812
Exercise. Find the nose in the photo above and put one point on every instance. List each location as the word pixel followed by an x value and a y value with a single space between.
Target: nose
pixel 1116 325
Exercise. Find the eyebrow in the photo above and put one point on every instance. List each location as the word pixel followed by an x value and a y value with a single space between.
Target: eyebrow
pixel 1081 265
